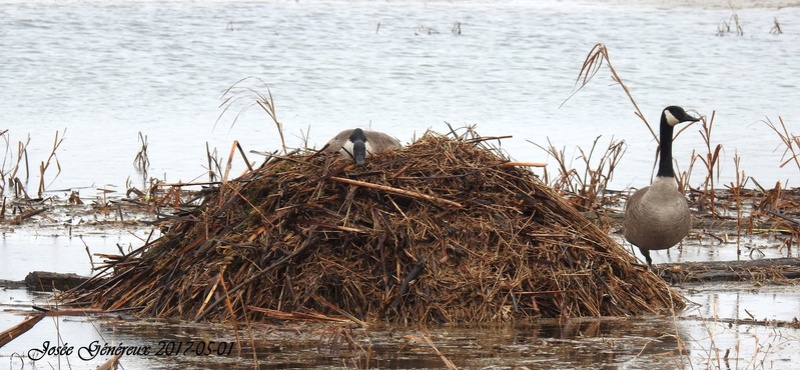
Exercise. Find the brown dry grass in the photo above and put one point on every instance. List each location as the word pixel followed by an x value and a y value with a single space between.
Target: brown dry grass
pixel 436 232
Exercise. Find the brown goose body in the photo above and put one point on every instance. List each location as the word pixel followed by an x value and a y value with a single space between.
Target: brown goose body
pixel 359 144
pixel 657 217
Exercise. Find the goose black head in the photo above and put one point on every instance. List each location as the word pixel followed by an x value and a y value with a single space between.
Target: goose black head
pixel 674 115
pixel 359 144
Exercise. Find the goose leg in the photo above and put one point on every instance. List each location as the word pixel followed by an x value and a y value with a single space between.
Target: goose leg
pixel 646 254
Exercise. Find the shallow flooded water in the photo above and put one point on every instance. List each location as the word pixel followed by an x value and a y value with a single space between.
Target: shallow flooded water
pixel 746 320
pixel 107 71
pixel 657 342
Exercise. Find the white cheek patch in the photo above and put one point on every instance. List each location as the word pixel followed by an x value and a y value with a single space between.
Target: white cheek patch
pixel 671 120
pixel 347 148
pixel 367 147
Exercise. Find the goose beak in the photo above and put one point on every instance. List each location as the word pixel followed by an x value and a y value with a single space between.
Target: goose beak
pixel 688 118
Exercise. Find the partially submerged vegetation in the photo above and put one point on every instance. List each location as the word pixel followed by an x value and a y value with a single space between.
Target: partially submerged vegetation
pixel 15 168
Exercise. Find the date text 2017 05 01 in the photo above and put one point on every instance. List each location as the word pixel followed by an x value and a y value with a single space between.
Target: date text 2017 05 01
pixel 199 348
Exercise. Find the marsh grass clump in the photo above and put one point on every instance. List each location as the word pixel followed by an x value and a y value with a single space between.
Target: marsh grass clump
pixel 732 24
pixel 440 231
pixel 15 173
pixel 586 189
pixel 141 162
pixel 711 161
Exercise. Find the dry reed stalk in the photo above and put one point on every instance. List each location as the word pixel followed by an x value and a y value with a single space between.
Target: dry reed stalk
pixel 790 141
pixel 110 364
pixel 15 331
pixel 239 91
pixel 772 202
pixel 736 189
pixel 449 364
pixel 22 153
pixel 776 27
pixel 390 189
pixel 587 192
pixel 597 56
pixel 8 176
pixel 141 161
pixel 711 164
pixel 44 165
pixel 302 316
pixel 214 167
pixel 523 164
pixel 310 233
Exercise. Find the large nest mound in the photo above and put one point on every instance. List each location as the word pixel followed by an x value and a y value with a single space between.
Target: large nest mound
pixel 440 231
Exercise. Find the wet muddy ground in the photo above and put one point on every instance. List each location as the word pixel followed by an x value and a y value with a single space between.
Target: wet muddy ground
pixel 739 325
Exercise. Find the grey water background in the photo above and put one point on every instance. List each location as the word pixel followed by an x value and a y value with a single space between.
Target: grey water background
pixel 106 71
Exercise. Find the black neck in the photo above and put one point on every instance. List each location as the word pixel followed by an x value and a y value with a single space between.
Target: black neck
pixel 665 161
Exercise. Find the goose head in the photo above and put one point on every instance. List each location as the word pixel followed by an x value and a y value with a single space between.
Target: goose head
pixel 674 115
pixel 358 146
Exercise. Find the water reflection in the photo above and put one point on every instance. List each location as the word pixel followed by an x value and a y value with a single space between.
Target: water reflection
pixel 547 345
pixel 659 342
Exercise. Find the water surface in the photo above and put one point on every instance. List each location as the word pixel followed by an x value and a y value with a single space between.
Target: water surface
pixel 106 71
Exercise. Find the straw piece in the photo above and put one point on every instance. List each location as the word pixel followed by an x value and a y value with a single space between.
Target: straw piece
pixel 15 331
pixel 397 191
pixel 449 364
pixel 523 164
pixel 111 363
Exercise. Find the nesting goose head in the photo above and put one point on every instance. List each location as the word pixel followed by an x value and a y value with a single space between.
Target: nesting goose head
pixel 360 144
pixel 657 216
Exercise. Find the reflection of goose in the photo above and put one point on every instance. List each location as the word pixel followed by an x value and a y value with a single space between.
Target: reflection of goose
pixel 657 216
pixel 359 144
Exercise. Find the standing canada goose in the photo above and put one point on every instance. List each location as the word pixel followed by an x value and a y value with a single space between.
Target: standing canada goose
pixel 359 144
pixel 657 216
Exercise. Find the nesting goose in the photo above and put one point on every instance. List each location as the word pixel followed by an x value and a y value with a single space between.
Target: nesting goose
pixel 657 216
pixel 359 144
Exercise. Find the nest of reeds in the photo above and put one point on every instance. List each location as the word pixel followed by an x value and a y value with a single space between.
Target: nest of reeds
pixel 440 231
